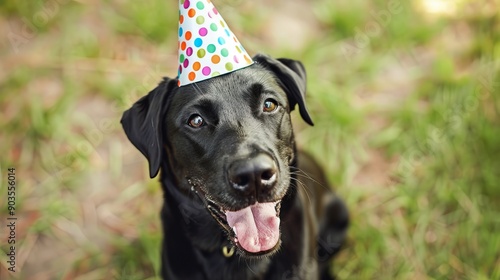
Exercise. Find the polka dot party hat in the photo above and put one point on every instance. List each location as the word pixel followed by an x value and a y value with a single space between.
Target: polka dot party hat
pixel 207 47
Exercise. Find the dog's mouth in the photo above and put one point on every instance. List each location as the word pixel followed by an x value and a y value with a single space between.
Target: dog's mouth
pixel 253 230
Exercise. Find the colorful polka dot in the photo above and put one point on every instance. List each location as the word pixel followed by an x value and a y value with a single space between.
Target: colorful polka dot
pixel 189 51
pixel 181 31
pixel 186 63
pixel 203 31
pixel 213 27
pixel 215 59
pixel 224 52
pixel 206 71
pixel 189 35
pixel 201 53
pixel 181 19
pixel 191 76
pixel 229 66
pixel 191 13
pixel 198 42
pixel 215 74
pixel 183 45
pixel 200 20
pixel 196 66
pixel 200 5
pixel 211 48
pixel 186 4
pixel 221 41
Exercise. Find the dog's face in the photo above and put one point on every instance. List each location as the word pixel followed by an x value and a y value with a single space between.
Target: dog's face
pixel 230 140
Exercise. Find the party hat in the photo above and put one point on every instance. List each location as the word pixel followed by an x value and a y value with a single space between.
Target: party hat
pixel 207 47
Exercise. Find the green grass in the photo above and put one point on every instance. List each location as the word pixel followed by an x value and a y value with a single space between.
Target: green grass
pixel 407 125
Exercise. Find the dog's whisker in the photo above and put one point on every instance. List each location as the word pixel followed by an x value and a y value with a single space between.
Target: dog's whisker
pixel 300 172
pixel 198 89
pixel 249 266
pixel 303 186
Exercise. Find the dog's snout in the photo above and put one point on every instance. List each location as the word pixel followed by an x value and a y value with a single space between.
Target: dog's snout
pixel 254 174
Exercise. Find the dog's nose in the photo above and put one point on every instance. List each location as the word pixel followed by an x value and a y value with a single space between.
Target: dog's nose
pixel 253 174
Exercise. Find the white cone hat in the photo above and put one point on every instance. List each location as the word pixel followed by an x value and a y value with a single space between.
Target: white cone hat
pixel 207 47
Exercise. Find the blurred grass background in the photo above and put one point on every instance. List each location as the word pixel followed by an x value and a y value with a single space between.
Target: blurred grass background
pixel 404 95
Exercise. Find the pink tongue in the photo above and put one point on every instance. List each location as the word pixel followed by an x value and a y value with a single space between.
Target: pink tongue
pixel 256 227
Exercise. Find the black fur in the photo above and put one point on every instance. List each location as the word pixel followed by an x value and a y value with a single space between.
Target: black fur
pixel 202 167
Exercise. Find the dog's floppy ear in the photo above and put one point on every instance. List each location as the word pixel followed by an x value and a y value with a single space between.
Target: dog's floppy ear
pixel 143 124
pixel 292 76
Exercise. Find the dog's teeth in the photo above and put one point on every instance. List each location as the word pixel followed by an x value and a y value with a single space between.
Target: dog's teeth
pixel 234 230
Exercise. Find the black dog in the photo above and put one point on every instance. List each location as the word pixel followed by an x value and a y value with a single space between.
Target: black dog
pixel 240 201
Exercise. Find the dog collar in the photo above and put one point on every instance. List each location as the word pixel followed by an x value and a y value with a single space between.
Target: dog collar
pixel 228 251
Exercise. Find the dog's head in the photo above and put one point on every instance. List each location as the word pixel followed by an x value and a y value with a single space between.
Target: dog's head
pixel 229 139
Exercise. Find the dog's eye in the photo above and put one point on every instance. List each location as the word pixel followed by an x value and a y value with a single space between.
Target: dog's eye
pixel 195 121
pixel 270 105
